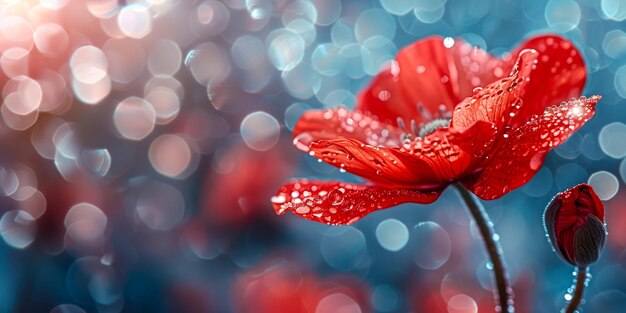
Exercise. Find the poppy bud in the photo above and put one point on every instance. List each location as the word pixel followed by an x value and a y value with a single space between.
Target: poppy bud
pixel 574 221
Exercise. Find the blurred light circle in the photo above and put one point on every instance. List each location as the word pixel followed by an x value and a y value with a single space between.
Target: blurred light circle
pixel 127 59
pixel 208 63
pixel 326 59
pixel 14 61
pixel 385 298
pixel 53 85
pixel 9 182
pixel 285 49
pixel 170 155
pixel 299 9
pixel 35 202
pixel 93 279
pixel 16 121
pixel 17 228
pixel 428 16
pixel 135 21
pixel 211 18
pixel 342 32
pixel 337 303
pixel 562 15
pixel 85 222
pixel 620 81
pixel 355 55
pixel 398 7
pixel 89 64
pixel 392 234
pixel 381 51
pixel 29 95
pixel 293 113
pixel 614 9
pixel 245 52
pixel 54 4
pixel 305 29
pixel 374 22
pixel 51 39
pixel 429 5
pixel 605 184
pixel 253 82
pixel 92 93
pixel 343 248
pixel 622 170
pixel 433 245
pixel 17 31
pixel 96 161
pixel 168 82
pixel 161 206
pixel 103 8
pixel 67 308
pixel 328 11
pixel 259 9
pixel 570 149
pixel 569 175
pixel 462 303
pixel 165 102
pixel 134 118
pixel 260 131
pixel 339 97
pixel 590 147
pixel 301 81
pixel 165 58
pixel 611 140
pixel 614 44
pixel 65 139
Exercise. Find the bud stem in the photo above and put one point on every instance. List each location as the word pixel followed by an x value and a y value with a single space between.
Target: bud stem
pixel 505 293
pixel 581 279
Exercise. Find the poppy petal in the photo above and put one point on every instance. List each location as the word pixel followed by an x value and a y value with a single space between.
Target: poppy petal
pixel 428 76
pixel 560 74
pixel 384 165
pixel 328 124
pixel 435 160
pixel 500 101
pixel 452 153
pixel 519 157
pixel 338 203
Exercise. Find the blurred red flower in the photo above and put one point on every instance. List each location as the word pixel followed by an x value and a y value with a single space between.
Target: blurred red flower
pixel 424 123
pixel 241 180
pixel 280 286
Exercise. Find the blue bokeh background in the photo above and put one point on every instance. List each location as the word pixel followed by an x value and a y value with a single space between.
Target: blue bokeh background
pixel 182 212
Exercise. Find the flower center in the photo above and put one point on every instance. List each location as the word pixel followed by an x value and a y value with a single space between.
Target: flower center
pixel 433 125
pixel 423 130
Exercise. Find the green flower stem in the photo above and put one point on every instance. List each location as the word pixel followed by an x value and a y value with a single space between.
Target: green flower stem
pixel 504 296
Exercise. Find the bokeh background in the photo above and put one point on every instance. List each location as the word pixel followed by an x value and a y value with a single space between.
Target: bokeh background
pixel 141 141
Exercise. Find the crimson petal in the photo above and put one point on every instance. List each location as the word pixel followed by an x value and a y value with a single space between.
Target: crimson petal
pixel 520 156
pixel 560 74
pixel 338 203
pixel 500 101
pixel 430 73
pixel 332 123
pixel 441 157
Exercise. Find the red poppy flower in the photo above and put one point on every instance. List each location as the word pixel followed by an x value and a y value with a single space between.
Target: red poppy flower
pixel 574 221
pixel 426 122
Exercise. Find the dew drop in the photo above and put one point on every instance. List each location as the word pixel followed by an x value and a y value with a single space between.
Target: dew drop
pixel 280 199
pixel 336 197
pixel 303 210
